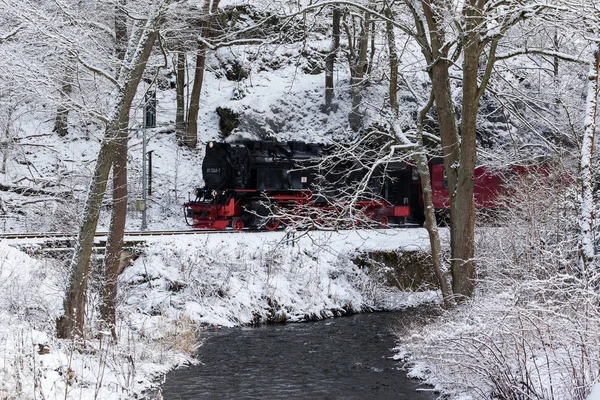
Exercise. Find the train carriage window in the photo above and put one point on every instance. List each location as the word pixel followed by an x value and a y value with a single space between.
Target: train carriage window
pixel 445 180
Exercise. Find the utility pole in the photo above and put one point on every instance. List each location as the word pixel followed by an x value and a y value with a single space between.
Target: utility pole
pixel 144 194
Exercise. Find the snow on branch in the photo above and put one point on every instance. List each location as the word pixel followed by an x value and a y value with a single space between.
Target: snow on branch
pixel 406 29
pixel 42 200
pixel 545 52
pixel 93 69
pixel 30 191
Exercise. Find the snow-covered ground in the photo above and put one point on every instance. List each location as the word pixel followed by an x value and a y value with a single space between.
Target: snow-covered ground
pixel 177 286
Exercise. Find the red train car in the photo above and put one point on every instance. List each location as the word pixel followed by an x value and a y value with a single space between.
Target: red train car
pixel 489 183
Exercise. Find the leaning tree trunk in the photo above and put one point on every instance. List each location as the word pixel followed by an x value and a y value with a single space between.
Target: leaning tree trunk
pixel 586 212
pixel 191 137
pixel 431 226
pixel 114 243
pixel 422 163
pixel 72 322
pixel 429 210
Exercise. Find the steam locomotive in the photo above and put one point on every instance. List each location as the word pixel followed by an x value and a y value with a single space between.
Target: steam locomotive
pixel 265 185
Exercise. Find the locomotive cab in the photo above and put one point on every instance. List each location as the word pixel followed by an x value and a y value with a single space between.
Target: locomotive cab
pixel 225 166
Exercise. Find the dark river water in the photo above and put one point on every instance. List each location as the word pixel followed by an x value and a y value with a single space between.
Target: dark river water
pixel 342 358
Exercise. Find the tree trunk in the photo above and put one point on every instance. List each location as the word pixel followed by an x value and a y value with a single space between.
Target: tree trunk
pixel 120 35
pixel 431 226
pixel 422 163
pixel 7 142
pixel 61 122
pixel 391 39
pixel 191 137
pixel 72 322
pixel 587 251
pixel 373 49
pixel 439 66
pixel 330 60
pixel 459 154
pixel 114 243
pixel 462 210
pixel 556 46
pixel 180 112
pixel 358 77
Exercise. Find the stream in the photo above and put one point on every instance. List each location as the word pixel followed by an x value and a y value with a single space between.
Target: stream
pixel 341 358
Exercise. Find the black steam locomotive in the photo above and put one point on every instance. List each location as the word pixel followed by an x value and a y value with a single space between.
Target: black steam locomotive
pixel 264 185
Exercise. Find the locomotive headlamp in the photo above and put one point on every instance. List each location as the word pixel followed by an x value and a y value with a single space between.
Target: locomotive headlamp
pixel 211 144
pixel 214 193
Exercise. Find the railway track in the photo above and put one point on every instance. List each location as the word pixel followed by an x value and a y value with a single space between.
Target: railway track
pixel 140 234
pixel 61 244
pixel 100 235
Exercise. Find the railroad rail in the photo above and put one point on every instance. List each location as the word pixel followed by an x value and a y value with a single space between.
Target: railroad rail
pixel 104 235
pixel 61 244
pixel 100 235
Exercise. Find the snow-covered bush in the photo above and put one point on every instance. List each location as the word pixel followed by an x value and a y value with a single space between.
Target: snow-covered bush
pixel 531 331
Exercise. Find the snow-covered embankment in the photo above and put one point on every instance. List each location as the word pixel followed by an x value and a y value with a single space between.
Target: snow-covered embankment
pixel 177 285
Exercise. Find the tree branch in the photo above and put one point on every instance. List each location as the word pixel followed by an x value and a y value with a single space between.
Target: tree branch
pixel 29 191
pixel 11 33
pixel 545 52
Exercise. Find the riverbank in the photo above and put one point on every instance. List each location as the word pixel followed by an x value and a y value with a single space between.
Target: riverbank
pixel 175 286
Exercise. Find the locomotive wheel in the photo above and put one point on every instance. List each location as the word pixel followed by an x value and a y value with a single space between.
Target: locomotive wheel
pixel 237 224
pixel 272 224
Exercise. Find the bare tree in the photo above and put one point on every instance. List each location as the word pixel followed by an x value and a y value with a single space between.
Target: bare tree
pixel 587 251
pixel 140 46
pixel 358 67
pixel 477 47
pixel 191 137
pixel 180 85
pixel 331 56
